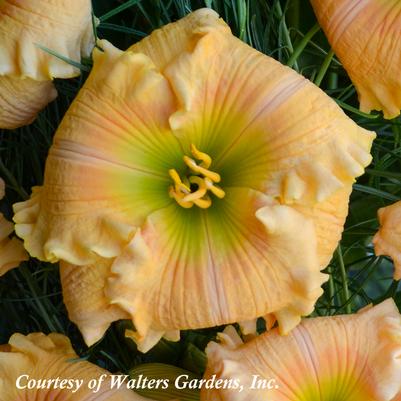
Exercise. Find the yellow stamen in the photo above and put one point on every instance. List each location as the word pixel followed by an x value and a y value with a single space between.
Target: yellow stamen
pixel 205 158
pixel 200 192
pixel 201 170
pixel 214 188
pixel 179 185
pixel 201 176
pixel 203 203
pixel 179 199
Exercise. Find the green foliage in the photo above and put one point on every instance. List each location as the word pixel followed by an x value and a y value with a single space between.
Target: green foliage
pixel 30 297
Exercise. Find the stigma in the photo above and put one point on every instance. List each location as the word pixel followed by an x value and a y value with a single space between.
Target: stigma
pixel 197 186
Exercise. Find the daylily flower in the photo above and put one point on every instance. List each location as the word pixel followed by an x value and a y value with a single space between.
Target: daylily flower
pixel 387 240
pixel 365 37
pixel 12 251
pixel 351 357
pixel 45 367
pixel 26 70
pixel 210 180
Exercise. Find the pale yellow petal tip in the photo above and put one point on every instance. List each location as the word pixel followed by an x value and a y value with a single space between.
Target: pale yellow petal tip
pixel 146 342
pixel 164 45
pixel 387 241
pixel 315 180
pixel 364 36
pixel 370 341
pixel 32 344
pixel 22 99
pixel 42 240
pixel 12 253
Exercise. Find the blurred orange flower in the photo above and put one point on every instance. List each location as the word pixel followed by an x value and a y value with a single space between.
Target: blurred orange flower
pixel 209 182
pixel 26 71
pixel 365 37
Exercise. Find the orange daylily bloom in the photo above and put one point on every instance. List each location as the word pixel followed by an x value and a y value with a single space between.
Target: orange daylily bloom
pixel 351 357
pixel 12 251
pixel 365 37
pixel 45 367
pixel 387 240
pixel 26 70
pixel 195 169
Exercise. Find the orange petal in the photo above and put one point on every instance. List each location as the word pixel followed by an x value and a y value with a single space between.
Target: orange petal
pixel 26 24
pixel 281 150
pixel 265 126
pixel 328 218
pixel 352 357
pixel 108 166
pixel 26 70
pixel 365 37
pixel 164 45
pixel 12 252
pixel 37 357
pixel 184 271
pixel 387 240
pixel 84 298
pixel 22 99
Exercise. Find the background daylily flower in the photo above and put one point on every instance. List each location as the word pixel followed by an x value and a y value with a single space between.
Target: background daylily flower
pixel 26 71
pixel 12 251
pixel 351 357
pixel 387 240
pixel 197 168
pixel 365 37
pixel 44 357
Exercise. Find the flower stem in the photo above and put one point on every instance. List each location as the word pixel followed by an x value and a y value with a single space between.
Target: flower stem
pixel 344 280
pixel 302 44
pixel 331 291
pixel 286 32
pixel 325 66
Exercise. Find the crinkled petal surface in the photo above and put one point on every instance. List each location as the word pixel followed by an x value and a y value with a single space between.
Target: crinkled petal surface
pixel 85 300
pixel 43 358
pixel 341 358
pixel 331 213
pixel 181 272
pixel 286 153
pixel 107 169
pixel 21 100
pixel 62 26
pixel 365 36
pixel 387 240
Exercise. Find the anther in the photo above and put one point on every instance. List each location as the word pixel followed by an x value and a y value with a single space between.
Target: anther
pixel 216 190
pixel 201 170
pixel 203 203
pixel 179 199
pixel 205 158
pixel 179 185
pixel 193 188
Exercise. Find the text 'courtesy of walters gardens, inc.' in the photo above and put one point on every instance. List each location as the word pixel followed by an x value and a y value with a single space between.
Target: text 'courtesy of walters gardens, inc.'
pixel 182 382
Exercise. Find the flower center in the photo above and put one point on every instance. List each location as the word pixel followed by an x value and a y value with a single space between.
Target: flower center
pixel 195 187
